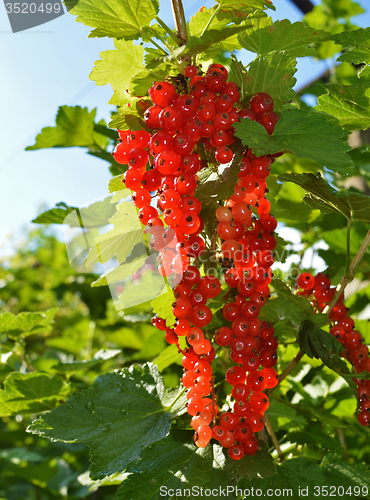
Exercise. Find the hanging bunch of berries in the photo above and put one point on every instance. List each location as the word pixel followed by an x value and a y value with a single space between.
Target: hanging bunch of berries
pixel 191 126
pixel 318 288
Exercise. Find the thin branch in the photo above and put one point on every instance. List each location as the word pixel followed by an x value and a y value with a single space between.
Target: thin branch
pixel 342 442
pixel 288 369
pixel 273 437
pixel 211 19
pixel 349 276
pixel 168 30
pixel 180 21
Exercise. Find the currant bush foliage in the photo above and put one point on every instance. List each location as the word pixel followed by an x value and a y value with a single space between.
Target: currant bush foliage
pixel 106 385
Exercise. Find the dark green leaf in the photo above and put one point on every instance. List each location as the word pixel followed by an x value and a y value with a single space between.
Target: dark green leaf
pixel 117 418
pixel 306 134
pixel 54 215
pixel 283 290
pixel 292 476
pixel 317 343
pixel 341 473
pixel 322 196
pixel 259 465
pixel 30 393
pixel 157 467
pixel 219 185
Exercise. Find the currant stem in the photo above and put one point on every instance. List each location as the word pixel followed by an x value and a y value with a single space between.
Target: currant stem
pixel 168 30
pixel 159 47
pixel 211 19
pixel 180 21
pixel 273 437
pixel 288 369
pixel 348 276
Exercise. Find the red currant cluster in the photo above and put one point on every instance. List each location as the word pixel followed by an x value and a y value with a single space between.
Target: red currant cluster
pixel 248 246
pixel 321 292
pixel 192 315
pixel 192 123
pixel 180 123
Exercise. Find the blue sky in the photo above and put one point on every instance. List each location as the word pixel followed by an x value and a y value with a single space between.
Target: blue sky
pixel 49 66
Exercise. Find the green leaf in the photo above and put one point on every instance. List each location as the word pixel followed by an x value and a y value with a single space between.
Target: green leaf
pixel 94 215
pixel 205 469
pixel 286 311
pixel 27 323
pixel 239 75
pixel 317 343
pixel 259 465
pixel 272 74
pixel 55 215
pixel 74 126
pixel 349 104
pixel 117 184
pixel 157 467
pixel 283 290
pixel 294 39
pixel 143 80
pixel 167 357
pixel 245 4
pixel 355 44
pixel 162 306
pixel 202 43
pixel 341 473
pixel 200 20
pixel 133 264
pixel 119 241
pixel 115 168
pixel 292 476
pixel 97 360
pixel 118 67
pixel 117 418
pixel 126 121
pixel 284 416
pixel 322 196
pixel 30 393
pixel 219 185
pixel 118 19
pixel 307 134
pixel 183 470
